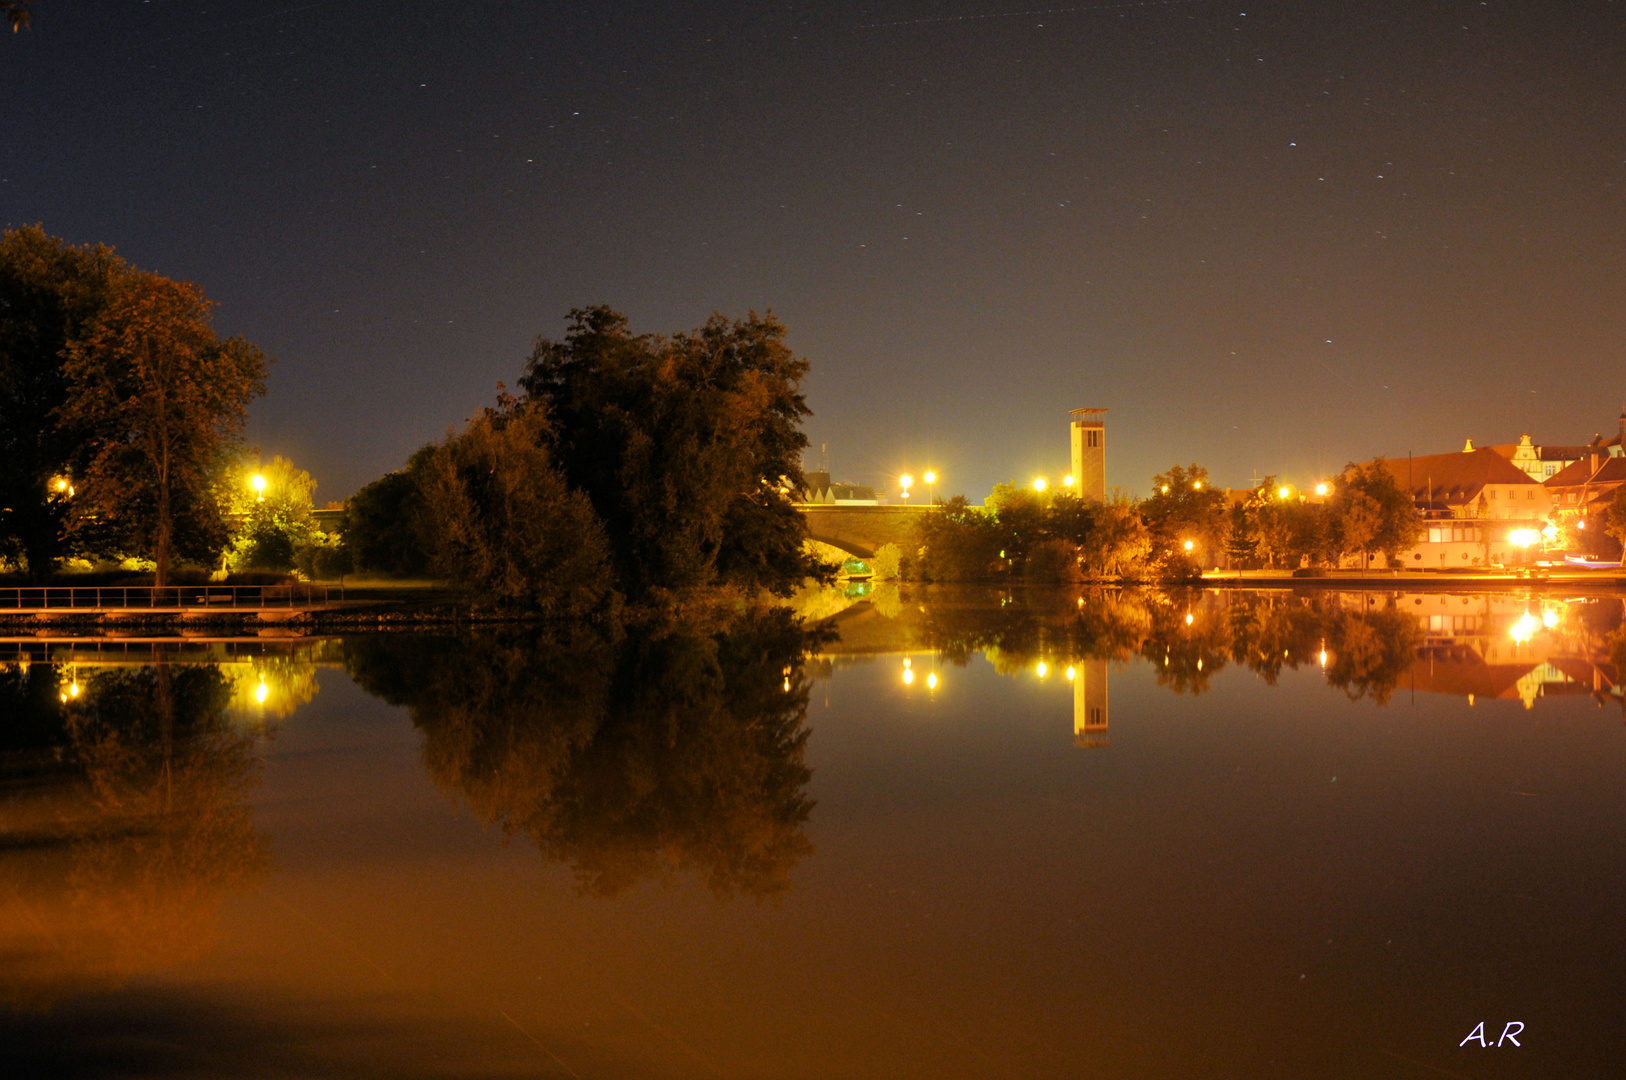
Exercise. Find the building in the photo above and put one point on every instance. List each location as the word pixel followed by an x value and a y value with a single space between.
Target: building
pixel 1542 463
pixel 1478 506
pixel 1089 457
pixel 822 491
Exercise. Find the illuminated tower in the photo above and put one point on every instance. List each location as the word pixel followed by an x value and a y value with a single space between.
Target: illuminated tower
pixel 1090 704
pixel 1089 433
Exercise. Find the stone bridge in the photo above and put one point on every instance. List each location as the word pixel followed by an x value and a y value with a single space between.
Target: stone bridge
pixel 859 530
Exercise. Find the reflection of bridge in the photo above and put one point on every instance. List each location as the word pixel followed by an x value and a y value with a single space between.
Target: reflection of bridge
pixel 859 530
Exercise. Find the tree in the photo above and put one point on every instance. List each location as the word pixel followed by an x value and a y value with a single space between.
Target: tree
pixel 687 446
pixel 1118 543
pixel 1371 512
pixel 1185 508
pixel 1614 517
pixel 17 13
pixel 504 524
pixel 1242 538
pixel 51 295
pixel 958 542
pixel 162 397
pixel 274 519
pixel 384 523
pixel 1021 517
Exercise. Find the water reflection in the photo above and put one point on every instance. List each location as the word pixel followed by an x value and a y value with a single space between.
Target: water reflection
pixel 124 822
pixel 1368 644
pixel 658 753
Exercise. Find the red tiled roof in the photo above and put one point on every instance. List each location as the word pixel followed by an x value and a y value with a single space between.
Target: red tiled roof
pixel 1454 477
pixel 1611 470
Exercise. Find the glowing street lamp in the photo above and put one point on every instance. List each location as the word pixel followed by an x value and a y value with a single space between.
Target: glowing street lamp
pixel 931 485
pixel 1067 481
pixel 1523 537
pixel 1283 491
pixel 1039 484
pixel 257 482
pixel 1190 545
pixel 904 481
pixel 1321 489
pixel 1196 485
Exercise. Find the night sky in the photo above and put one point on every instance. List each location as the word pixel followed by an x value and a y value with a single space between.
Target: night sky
pixel 1272 237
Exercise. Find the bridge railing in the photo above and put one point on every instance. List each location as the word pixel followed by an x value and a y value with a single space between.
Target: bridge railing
pixel 184 597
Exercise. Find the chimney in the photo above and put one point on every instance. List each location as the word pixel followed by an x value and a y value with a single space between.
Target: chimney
pixel 1468 448
pixel 1593 462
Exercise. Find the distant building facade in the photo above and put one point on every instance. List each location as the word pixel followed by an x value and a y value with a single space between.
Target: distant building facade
pixel 821 490
pixel 1541 463
pixel 1476 506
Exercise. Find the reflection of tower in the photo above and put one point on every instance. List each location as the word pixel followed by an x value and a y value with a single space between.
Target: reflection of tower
pixel 1090 704
pixel 1089 434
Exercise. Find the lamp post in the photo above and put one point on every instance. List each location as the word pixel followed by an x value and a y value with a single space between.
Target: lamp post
pixel 904 481
pixel 257 482
pixel 931 486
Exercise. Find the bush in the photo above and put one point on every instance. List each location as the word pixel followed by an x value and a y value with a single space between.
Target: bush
pixel 1054 561
pixel 886 564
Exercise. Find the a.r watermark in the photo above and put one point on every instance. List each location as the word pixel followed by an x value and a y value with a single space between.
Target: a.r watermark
pixel 1510 1035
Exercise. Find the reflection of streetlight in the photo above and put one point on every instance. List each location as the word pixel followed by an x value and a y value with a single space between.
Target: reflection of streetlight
pixel 1525 628
pixel 1549 618
pixel 1190 618
pixel 908 672
pixel 931 680
pixel 257 482
pixel 1044 669
pixel 1071 674
pixel 262 691
pixel 1323 656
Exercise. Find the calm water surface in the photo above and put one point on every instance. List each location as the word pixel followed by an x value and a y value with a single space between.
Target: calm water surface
pixel 1029 835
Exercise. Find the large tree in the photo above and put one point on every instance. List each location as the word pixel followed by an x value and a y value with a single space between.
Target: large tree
pixel 161 398
pixel 1371 512
pixel 51 295
pixel 504 525
pixel 688 447
pixel 1185 508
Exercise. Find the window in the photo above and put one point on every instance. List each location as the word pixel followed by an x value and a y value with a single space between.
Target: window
pixel 1493 493
pixel 1529 493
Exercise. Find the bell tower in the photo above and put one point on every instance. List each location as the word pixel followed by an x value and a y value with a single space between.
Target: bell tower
pixel 1089 436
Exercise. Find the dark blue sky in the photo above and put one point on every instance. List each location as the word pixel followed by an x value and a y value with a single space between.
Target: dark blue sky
pixel 1271 236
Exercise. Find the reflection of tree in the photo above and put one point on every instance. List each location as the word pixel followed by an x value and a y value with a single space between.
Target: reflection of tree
pixel 1371 651
pixel 117 863
pixel 661 753
pixel 1186 635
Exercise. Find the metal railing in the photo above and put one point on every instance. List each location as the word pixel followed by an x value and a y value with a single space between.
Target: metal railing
pixel 169 597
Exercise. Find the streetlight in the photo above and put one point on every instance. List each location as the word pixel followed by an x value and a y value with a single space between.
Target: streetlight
pixel 257 482
pixel 1039 484
pixel 1190 545
pixel 904 481
pixel 1196 485
pixel 1321 489
pixel 1283 491
pixel 1067 481
pixel 931 485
